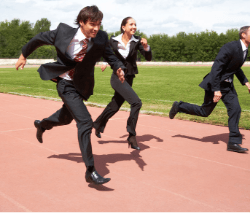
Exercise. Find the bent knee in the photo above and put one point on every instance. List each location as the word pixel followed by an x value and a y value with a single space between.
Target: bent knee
pixel 87 122
pixel 137 104
pixel 68 121
pixel 206 113
pixel 235 111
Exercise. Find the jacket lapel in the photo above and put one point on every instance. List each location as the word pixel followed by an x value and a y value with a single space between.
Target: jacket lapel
pixel 115 48
pixel 131 48
pixel 67 39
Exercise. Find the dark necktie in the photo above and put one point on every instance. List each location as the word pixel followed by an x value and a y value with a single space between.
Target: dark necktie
pixel 79 56
pixel 245 56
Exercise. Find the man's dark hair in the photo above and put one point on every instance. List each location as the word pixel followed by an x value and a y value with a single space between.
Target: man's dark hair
pixel 243 30
pixel 124 22
pixel 91 13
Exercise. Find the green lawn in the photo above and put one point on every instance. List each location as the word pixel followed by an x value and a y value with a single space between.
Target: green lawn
pixel 157 86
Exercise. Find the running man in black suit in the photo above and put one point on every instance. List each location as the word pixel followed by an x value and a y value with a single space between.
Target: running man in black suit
pixel 78 50
pixel 218 84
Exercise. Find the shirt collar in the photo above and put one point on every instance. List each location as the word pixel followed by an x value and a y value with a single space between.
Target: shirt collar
pixel 80 36
pixel 119 38
pixel 134 39
pixel 243 46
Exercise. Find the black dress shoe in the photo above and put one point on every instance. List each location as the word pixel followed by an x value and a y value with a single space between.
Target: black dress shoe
pixel 132 142
pixel 40 131
pixel 95 178
pixel 236 148
pixel 98 134
pixel 174 110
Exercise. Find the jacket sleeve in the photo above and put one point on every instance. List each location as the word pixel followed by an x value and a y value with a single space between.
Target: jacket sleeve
pixel 241 76
pixel 43 38
pixel 111 58
pixel 220 62
pixel 147 54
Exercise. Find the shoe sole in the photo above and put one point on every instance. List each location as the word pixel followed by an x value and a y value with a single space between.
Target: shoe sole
pixel 92 182
pixel 233 150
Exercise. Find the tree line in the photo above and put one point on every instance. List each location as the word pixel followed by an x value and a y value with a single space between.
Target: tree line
pixel 182 47
pixel 15 34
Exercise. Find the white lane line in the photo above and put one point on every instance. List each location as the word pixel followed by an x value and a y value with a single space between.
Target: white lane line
pixel 37 144
pixel 20 115
pixel 155 127
pixel 15 130
pixel 14 202
pixel 122 118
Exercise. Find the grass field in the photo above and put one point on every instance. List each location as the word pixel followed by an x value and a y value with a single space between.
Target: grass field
pixel 157 86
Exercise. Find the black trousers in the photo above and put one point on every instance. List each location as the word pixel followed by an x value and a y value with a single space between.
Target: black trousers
pixel 230 99
pixel 123 91
pixel 73 108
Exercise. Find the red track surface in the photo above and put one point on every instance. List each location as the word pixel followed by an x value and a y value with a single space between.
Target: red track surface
pixel 183 166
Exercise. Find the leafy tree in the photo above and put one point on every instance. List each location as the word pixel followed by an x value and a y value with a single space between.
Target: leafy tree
pixel 42 26
pixel 14 35
pixel 203 46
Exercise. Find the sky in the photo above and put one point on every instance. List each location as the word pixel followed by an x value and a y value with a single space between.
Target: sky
pixel 152 16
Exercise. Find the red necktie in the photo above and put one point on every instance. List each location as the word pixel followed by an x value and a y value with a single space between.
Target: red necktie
pixel 79 56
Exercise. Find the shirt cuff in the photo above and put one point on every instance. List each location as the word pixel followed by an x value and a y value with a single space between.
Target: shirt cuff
pixel 147 48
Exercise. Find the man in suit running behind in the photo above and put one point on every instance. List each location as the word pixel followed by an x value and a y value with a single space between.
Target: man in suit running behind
pixel 218 84
pixel 78 50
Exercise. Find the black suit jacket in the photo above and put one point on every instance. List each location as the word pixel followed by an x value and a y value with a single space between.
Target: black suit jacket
pixel 227 63
pixel 130 61
pixel 84 71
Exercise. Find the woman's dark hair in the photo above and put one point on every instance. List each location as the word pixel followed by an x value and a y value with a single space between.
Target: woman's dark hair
pixel 124 22
pixel 91 13
pixel 243 30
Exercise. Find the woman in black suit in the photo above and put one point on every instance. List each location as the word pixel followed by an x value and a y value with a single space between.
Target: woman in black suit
pixel 125 47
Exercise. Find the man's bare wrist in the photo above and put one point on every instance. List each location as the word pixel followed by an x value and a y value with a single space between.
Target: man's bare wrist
pixel 22 57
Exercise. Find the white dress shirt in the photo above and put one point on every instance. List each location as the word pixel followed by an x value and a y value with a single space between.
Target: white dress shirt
pixel 124 49
pixel 74 48
pixel 244 48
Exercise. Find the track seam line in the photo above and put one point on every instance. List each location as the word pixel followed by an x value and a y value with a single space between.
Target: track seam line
pixel 20 115
pixel 173 193
pixel 229 165
pixel 14 202
pixel 225 164
pixel 37 145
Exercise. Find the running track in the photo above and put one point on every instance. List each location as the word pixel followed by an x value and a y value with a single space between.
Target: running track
pixel 183 166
